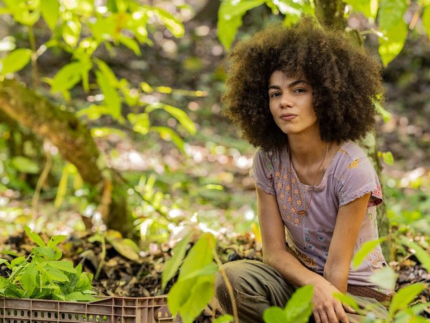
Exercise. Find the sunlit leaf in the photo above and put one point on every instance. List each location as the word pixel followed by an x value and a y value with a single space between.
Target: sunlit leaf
pixel 35 237
pixel 384 113
pixel 172 24
pixel 395 34
pixel 50 12
pixel 226 318
pixel 230 18
pixel 391 13
pixel 130 43
pixel 25 165
pixel 71 32
pixel 404 296
pixel 170 135
pixel 367 7
pixel 384 278
pixel 299 307
pixel 366 248
pixel 67 77
pixel 172 265
pixel 140 122
pixel 274 314
pixel 16 61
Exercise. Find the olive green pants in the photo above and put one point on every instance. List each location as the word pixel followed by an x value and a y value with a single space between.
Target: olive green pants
pixel 257 286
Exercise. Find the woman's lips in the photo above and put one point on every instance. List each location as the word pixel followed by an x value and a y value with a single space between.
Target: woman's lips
pixel 288 117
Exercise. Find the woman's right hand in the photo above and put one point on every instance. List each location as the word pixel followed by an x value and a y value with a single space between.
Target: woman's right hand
pixel 327 308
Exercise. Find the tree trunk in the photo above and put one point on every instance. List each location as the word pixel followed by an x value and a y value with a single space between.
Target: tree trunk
pixel 75 144
pixel 330 13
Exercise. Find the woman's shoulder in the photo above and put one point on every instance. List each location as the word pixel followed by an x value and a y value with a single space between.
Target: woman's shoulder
pixel 352 156
pixel 351 151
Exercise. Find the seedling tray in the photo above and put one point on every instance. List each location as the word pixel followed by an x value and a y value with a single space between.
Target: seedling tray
pixel 106 310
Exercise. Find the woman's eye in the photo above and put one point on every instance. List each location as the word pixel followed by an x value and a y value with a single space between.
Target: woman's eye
pixel 274 94
pixel 299 90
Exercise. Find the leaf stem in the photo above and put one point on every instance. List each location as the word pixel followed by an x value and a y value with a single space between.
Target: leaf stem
pixel 227 283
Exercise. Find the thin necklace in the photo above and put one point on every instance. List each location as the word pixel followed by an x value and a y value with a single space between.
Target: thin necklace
pixel 306 207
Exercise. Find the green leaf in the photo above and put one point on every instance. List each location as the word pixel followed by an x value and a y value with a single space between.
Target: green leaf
pixel 111 97
pixel 199 256
pixel 172 265
pixel 392 44
pixel 80 297
pixel 391 13
pixel 426 20
pixel 126 248
pixel 367 7
pixel 274 314
pixel 130 43
pixel 63 265
pixel 364 251
pixel 384 113
pixel 299 307
pixel 67 77
pixel 55 274
pixel 209 269
pixel 46 253
pixel 140 122
pixel 347 299
pixel 71 32
pixel 34 237
pixel 55 240
pixel 28 279
pixel 170 135
pixel 17 261
pixel 84 282
pixel 388 158
pixel 182 117
pixel 404 296
pixel 107 72
pixel 15 61
pixel 422 255
pixel 226 318
pixel 171 23
pixel 230 18
pixel 384 278
pixel 25 165
pixel 200 295
pixel 50 12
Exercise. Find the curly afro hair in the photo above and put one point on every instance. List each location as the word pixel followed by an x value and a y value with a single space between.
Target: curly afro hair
pixel 345 81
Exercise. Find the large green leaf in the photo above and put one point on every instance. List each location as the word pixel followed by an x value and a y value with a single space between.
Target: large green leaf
pixel 366 248
pixel 23 11
pixel 50 12
pixel 179 114
pixel 15 61
pixel 230 18
pixel 55 274
pixel 28 279
pixel 172 265
pixel 299 307
pixel 63 265
pixel 391 12
pixel 404 296
pixel 274 314
pixel 392 44
pixel 367 7
pixel 200 295
pixel 384 278
pixel 130 43
pixel 25 165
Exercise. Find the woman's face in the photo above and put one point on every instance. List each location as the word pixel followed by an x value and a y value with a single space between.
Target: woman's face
pixel 291 104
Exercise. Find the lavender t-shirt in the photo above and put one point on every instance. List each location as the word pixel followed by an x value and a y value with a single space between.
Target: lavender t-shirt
pixel 349 176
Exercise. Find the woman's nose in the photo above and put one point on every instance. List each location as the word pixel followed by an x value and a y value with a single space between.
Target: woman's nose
pixel 286 101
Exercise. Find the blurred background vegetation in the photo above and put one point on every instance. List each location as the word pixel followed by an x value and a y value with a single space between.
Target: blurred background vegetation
pixel 158 158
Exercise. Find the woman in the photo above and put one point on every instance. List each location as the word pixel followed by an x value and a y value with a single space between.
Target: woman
pixel 303 96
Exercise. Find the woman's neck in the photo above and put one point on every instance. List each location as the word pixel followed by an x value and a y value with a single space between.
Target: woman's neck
pixel 306 151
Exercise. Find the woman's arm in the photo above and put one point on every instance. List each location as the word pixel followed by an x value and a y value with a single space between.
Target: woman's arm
pixel 348 223
pixel 327 309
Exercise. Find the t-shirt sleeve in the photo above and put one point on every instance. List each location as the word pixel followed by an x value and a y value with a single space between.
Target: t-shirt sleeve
pixel 262 172
pixel 359 178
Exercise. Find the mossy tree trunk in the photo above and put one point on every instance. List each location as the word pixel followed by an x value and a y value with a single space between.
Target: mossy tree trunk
pixel 330 13
pixel 75 144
